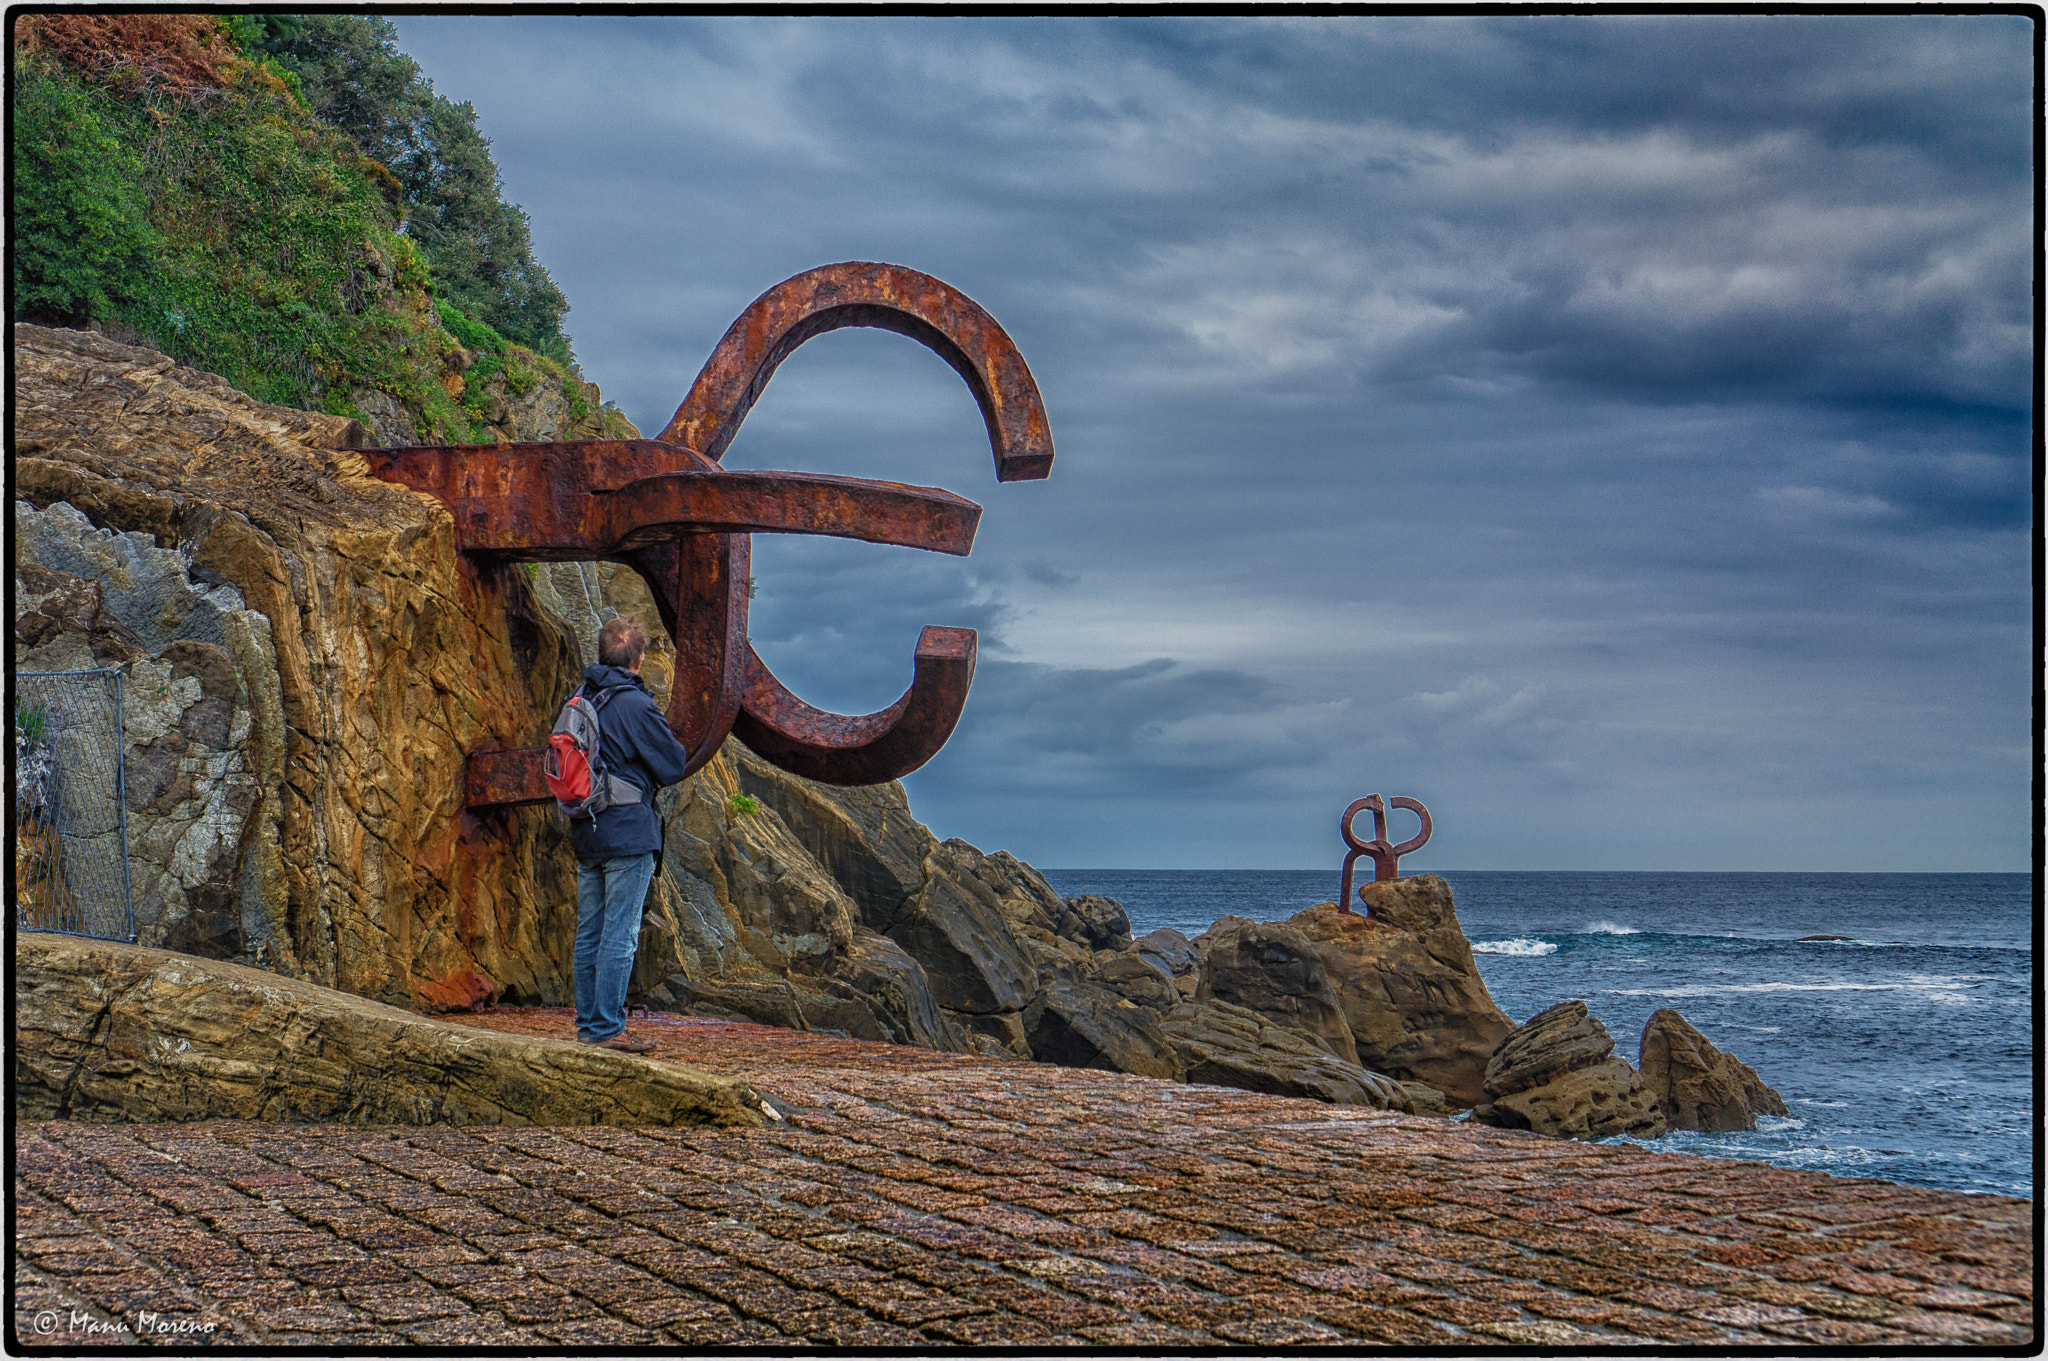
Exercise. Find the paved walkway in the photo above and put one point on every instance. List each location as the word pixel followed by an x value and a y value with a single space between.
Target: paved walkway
pixel 912 1198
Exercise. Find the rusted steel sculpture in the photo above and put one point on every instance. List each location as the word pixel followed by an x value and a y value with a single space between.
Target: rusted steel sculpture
pixel 1386 858
pixel 666 509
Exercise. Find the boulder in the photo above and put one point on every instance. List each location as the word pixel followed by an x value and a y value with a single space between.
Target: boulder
pixel 1555 1075
pixel 1697 1086
pixel 1411 995
pixel 1558 1040
pixel 1136 979
pixel 955 928
pixel 110 1032
pixel 864 837
pixel 1224 1045
pixel 1273 969
pixel 896 989
pixel 1096 922
pixel 1082 1025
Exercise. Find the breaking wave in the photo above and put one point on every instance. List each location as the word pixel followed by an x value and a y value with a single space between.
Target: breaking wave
pixel 1520 945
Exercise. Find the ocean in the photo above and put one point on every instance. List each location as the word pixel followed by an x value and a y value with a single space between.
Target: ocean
pixel 1905 1052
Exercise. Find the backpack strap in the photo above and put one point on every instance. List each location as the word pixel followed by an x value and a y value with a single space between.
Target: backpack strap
pixel 621 790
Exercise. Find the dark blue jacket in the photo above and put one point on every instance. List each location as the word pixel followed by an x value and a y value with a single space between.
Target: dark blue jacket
pixel 640 747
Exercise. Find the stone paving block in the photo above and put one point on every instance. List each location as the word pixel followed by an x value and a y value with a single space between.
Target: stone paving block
pixel 1749 1315
pixel 335 1274
pixel 1394 1326
pixel 1963 1328
pixel 1572 1309
pixel 402 1304
pixel 732 1331
pixel 1664 1327
pixel 989 1330
pixel 1539 1334
pixel 598 1332
pixel 315 1318
pixel 1838 1333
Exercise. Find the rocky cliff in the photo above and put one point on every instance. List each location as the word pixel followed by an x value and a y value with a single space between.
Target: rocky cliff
pixel 307 661
pixel 304 669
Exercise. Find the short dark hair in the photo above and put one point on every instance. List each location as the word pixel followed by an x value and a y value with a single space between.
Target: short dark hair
pixel 620 643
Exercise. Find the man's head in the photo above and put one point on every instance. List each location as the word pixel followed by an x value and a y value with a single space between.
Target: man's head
pixel 621 643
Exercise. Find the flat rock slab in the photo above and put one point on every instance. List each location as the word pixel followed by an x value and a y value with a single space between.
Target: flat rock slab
pixel 913 1198
pixel 112 1032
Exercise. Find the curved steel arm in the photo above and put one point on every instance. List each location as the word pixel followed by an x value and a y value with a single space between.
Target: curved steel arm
pixel 891 298
pixel 654 509
pixel 868 748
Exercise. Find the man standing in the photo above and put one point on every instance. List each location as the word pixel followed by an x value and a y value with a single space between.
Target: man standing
pixel 616 850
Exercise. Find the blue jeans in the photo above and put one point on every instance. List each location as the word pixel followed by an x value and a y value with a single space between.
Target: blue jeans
pixel 609 896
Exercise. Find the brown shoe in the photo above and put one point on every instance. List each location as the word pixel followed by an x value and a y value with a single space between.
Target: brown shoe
pixel 627 1042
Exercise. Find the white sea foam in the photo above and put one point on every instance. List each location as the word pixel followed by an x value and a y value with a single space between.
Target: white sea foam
pixel 1950 988
pixel 1605 928
pixel 1520 945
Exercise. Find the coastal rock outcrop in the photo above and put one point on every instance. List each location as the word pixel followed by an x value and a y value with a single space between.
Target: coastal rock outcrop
pixel 1697 1086
pixel 305 669
pixel 1274 970
pixel 1410 992
pixel 1231 1046
pixel 1556 1075
pixel 110 1032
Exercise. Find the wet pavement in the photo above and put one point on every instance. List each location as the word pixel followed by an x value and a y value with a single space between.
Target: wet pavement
pixel 911 1199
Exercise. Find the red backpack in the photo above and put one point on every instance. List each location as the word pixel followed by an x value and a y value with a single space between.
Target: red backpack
pixel 574 765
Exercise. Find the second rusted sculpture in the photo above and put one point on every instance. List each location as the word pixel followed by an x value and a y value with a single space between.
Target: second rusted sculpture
pixel 1386 858
pixel 666 509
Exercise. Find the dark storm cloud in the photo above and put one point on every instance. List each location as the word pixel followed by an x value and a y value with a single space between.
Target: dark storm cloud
pixel 1612 429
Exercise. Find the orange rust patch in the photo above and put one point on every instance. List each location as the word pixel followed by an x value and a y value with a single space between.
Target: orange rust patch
pixel 460 991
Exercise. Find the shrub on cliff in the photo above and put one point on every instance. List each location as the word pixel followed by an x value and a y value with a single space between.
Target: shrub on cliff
pixel 477 246
pixel 175 189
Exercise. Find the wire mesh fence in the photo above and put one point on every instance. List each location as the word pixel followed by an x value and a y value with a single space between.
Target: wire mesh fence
pixel 70 810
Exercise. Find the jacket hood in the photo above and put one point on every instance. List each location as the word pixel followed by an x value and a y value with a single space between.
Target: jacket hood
pixel 602 677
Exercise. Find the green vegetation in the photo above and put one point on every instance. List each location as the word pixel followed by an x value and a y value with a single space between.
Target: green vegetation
pixel 28 721
pixel 176 184
pixel 476 245
pixel 742 805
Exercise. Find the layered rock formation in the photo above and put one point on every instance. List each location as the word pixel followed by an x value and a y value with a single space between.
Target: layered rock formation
pixel 1697 1086
pixel 1557 1075
pixel 306 816
pixel 112 1032
pixel 1411 993
pixel 1274 970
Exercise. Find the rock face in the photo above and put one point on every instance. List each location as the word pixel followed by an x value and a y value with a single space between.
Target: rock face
pixel 305 670
pixel 1697 1086
pixel 1275 970
pixel 112 1032
pixel 1411 995
pixel 1555 1075
pixel 1232 1046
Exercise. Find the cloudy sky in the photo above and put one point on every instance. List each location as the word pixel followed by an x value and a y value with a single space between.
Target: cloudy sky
pixel 1613 431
